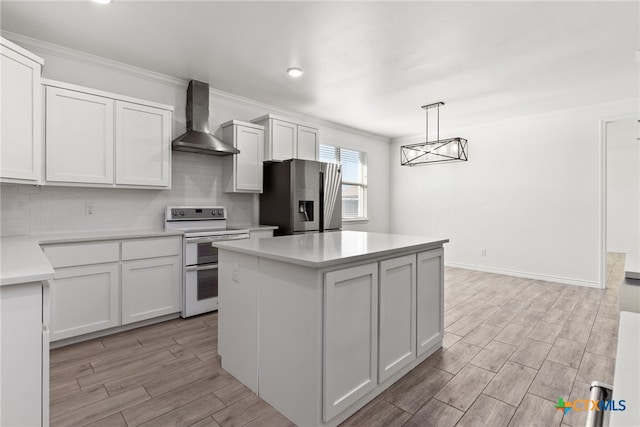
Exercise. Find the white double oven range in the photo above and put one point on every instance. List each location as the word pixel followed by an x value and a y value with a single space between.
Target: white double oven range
pixel 202 226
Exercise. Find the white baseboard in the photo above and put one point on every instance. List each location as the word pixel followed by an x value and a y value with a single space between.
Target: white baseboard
pixel 563 280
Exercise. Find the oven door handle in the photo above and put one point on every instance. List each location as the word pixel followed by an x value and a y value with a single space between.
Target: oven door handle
pixel 213 239
pixel 201 268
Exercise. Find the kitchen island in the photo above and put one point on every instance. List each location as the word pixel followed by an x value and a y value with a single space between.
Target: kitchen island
pixel 319 324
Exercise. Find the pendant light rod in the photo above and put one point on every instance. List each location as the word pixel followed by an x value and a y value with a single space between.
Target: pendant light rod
pixel 426 108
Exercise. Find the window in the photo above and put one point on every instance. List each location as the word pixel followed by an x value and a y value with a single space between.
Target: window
pixel 354 179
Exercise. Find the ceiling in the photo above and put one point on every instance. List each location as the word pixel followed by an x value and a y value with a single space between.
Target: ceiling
pixel 368 65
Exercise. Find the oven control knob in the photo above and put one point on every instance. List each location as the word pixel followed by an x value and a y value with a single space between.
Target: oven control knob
pixel 213 212
pixel 174 213
pixel 181 213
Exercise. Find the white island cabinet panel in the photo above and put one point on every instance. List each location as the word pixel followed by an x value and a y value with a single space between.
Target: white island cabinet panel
pixel 238 336
pixel 84 299
pixel 79 137
pixel 150 288
pixel 351 337
pixel 143 145
pixel 21 352
pixel 430 293
pixel 397 315
pixel 21 115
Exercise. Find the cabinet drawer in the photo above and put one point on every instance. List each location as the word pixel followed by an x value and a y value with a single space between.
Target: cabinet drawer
pixel 82 254
pixel 151 248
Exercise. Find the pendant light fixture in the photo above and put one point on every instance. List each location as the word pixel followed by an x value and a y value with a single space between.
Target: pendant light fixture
pixel 440 150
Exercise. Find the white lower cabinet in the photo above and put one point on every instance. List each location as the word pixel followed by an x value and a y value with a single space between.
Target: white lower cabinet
pixel 149 288
pixel 351 337
pixel 104 284
pixel 430 294
pixel 397 344
pixel 84 299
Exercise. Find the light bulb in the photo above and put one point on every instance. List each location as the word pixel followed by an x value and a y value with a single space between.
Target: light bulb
pixel 295 72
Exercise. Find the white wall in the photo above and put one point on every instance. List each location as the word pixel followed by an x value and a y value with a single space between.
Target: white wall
pixel 529 195
pixel 623 186
pixel 196 178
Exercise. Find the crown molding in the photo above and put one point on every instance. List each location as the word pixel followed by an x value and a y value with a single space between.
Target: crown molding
pixel 43 47
pixel 52 49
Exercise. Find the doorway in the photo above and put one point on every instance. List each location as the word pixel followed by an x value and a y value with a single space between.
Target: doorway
pixel 621 191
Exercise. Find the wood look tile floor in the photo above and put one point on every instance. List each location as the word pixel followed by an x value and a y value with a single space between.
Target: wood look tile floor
pixel 512 347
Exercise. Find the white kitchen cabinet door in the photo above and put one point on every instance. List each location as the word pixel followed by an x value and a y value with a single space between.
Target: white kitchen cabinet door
pixel 143 145
pixel 150 288
pixel 350 337
pixel 243 171
pixel 79 137
pixel 84 299
pixel 284 140
pixel 430 299
pixel 308 143
pixel 397 297
pixel 21 115
pixel 21 353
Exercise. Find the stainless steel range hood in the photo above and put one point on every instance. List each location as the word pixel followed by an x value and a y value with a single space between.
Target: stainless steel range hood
pixel 197 139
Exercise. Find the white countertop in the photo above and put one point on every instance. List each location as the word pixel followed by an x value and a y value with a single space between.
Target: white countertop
pixel 319 250
pixel 22 259
pixel 632 265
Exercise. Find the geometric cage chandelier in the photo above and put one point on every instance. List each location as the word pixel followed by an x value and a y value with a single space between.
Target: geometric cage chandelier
pixel 440 150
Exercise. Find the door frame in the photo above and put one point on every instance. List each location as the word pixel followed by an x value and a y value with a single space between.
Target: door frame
pixel 603 190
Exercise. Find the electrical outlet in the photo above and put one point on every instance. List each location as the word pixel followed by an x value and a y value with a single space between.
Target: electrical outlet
pixel 483 252
pixel 89 208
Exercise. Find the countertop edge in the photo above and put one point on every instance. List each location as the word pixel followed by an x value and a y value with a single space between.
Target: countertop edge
pixel 338 261
pixel 258 227
pixel 121 235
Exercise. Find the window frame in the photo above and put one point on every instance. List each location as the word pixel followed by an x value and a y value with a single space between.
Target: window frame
pixel 363 201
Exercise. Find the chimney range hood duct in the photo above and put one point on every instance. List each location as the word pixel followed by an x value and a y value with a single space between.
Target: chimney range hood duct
pixel 197 139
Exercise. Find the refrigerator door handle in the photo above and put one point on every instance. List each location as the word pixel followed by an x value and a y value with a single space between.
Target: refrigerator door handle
pixel 321 201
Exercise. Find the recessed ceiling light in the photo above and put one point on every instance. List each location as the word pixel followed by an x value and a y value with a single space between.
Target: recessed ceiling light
pixel 102 1
pixel 294 72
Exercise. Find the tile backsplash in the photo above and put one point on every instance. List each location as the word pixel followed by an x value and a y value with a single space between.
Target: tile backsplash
pixel 196 179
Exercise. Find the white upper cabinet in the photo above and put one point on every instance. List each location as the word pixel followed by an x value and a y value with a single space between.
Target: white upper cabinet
pixel 143 145
pixel 21 117
pixel 308 143
pixel 79 139
pixel 96 138
pixel 285 139
pixel 243 172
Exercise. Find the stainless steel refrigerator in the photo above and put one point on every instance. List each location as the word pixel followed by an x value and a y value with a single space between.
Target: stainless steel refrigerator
pixel 301 196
